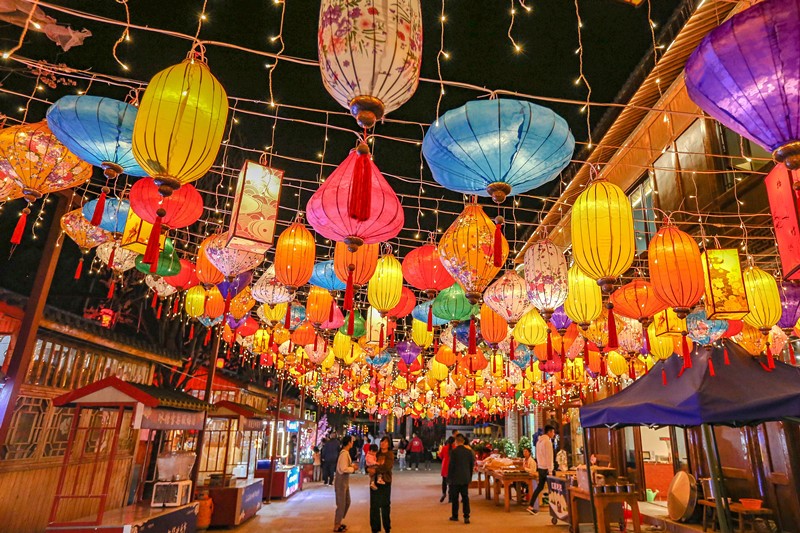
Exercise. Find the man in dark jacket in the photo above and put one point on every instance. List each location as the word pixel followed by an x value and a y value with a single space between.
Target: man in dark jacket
pixel 329 456
pixel 459 475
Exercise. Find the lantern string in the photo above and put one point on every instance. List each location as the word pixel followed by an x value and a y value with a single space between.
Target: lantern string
pixel 280 51
pixel 126 34
pixel 582 78
pixel 441 53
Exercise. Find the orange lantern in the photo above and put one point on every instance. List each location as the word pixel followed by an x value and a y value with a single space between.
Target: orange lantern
pixel 637 300
pixel 354 268
pixel 494 328
pixel 304 334
pixel 445 355
pixel 294 255
pixel 318 305
pixel 676 269
pixel 215 303
pixel 206 272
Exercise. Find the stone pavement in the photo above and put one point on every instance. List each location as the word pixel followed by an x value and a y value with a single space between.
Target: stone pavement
pixel 415 509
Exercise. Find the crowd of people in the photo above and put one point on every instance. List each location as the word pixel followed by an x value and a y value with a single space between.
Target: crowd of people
pixel 337 459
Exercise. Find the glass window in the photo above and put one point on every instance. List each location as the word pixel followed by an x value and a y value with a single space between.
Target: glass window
pixel 644 217
pixel 740 155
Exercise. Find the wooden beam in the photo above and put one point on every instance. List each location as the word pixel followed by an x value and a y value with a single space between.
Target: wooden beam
pixel 26 341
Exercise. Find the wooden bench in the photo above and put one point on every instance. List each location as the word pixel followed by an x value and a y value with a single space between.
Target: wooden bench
pixel 744 513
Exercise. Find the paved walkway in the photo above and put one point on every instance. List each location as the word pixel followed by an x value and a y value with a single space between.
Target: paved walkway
pixel 415 509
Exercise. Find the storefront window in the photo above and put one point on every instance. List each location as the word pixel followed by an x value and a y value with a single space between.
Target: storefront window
pixel 740 156
pixel 644 218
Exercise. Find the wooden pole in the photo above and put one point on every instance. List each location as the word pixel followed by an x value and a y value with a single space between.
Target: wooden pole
pixel 587 456
pixel 34 309
pixel 717 480
pixel 273 438
pixel 212 370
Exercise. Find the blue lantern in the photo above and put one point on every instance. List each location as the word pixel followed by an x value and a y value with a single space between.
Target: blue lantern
pixel 208 322
pixel 461 331
pixel 522 356
pixel 420 312
pixel 704 331
pixel 497 147
pixel 324 276
pixel 115 213
pixel 380 359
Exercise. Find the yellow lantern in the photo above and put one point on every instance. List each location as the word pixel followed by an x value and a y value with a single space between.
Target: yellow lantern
pixel 294 256
pixel 764 299
pixel 617 364
pixel 420 334
pixel 272 314
pixel 751 339
pixel 386 285
pixel 329 360
pixel 725 297
pixel 467 251
pixel 195 301
pixel 662 347
pixel 318 305
pixel 603 242
pixel 345 349
pixel 438 371
pixel 180 124
pixel 584 301
pixel 531 329
pixel 261 339
pixel 668 323
pixel 533 373
pixel 241 304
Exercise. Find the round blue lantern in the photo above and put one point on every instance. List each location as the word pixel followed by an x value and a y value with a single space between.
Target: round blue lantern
pixel 461 331
pixel 115 213
pixel 420 312
pixel 497 147
pixel 297 316
pixel 704 331
pixel 324 276
pixel 209 322
pixel 380 359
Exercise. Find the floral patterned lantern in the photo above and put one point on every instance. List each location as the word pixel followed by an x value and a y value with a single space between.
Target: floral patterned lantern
pixel 370 54
pixel 508 297
pixel 117 259
pixel 676 269
pixel 268 290
pixel 725 297
pixel 584 301
pixel 423 270
pixel 34 158
pixel 85 235
pixel 294 256
pixel 386 285
pixel 229 261
pixel 9 189
pixel 473 250
pixel 704 331
pixel 546 274
pixel 356 205
pixel 783 191
pixel 668 323
pixel 324 275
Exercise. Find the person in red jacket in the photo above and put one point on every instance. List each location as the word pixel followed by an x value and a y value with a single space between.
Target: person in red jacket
pixel 444 453
pixel 416 448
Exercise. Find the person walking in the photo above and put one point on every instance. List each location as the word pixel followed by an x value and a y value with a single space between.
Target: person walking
pixel 317 458
pixel 330 455
pixel 544 461
pixel 459 475
pixel 341 484
pixel 444 453
pixel 380 500
pixel 416 448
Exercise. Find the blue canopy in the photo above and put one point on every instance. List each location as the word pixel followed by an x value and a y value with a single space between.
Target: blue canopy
pixel 741 393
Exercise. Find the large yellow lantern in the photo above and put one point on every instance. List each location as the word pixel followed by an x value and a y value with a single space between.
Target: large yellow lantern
pixel 764 299
pixel 294 256
pixel 180 124
pixel 531 329
pixel 272 314
pixel 420 334
pixel 603 242
pixel 386 285
pixel 725 297
pixel 584 301
pixel 318 305
pixel 195 301
pixel 438 371
pixel 661 348
pixel 473 251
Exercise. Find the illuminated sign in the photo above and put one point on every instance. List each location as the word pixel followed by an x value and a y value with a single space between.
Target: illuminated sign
pixel 292 426
pixel 292 481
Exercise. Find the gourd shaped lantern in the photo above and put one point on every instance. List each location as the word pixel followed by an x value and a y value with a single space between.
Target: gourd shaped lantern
pixel 116 258
pixel 473 249
pixel 230 261
pixel 268 290
pixel 745 74
pixel 704 330
pixel 584 301
pixel 85 235
pixel 531 329
pixel 494 327
pixel 355 204
pixel 370 54
pixel 676 269
pixel 497 147
pixel 546 275
pixel 294 255
pixel 324 275
pixel 99 131
pixel 180 123
pixel 386 286
pixel 35 159
pixel 452 305
pixel 508 297
pixel 423 270
pixel 602 232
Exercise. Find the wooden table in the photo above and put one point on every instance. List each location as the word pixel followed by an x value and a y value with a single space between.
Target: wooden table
pixel 601 500
pixel 481 472
pixel 743 512
pixel 505 480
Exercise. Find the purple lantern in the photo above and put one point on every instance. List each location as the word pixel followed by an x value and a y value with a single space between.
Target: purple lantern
pixel 746 74
pixel 790 303
pixel 560 320
pixel 408 351
pixel 235 324
pixel 231 288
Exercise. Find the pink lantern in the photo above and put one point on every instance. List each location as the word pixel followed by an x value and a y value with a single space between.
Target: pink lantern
pixel 508 297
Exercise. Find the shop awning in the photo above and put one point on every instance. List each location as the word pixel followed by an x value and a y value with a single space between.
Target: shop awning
pixel 113 391
pixel 741 393
pixel 233 409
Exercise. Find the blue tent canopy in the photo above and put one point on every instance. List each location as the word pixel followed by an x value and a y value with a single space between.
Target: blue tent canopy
pixel 741 393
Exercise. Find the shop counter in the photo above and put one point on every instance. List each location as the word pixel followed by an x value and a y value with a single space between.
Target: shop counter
pixel 236 503
pixel 139 517
pixel 285 481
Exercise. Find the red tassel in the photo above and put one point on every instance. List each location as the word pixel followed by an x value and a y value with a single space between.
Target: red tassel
pixel 770 358
pixel 498 245
pixel 360 202
pixel 155 300
pixel 711 367
pixel 381 339
pixel 111 257
pixel 111 287
pixel 191 331
pixel 664 377
pixel 99 207
pixel 175 304
pixel 228 303
pixel 430 317
pixel 454 342
pixel 435 344
pixel 153 244
pixel 632 371
pixel 207 338
pixel 288 320
pixel 613 342
pixel 549 345
pixel 585 351
pixel 316 340
pixel 351 322
pixel 563 355
pixel 687 355
pixel 725 353
pixel 512 349
pixel 324 345
pixel 348 292
pixel 79 270
pixel 19 229
pixel 330 313
pixel 792 359
pixel 391 339
pixel 158 313
pixel 473 342
pixel 646 339
pixel 603 367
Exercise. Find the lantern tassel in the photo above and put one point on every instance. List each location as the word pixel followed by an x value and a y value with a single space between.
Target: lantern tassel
pixel 430 317
pixel 770 358
pixel 228 303
pixel 287 321
pixel 207 338
pixel 791 353
pixel 645 339
pixel 711 367
pixel 155 300
pixel 725 353
pixel 316 340
pixel 111 257
pixel 153 245
pixel 613 342
pixel 79 270
pixel 351 322
pixel 99 207
pixel 498 245
pixel 454 342
pixel 191 331
pixel 330 312
pixel 158 313
pixel 549 345
pixel 19 229
pixel 585 351
pixel 381 338
pixel 360 202
pixel 473 343
pixel 391 338
pixel 175 305
pixel 348 292
pixel 632 370
pixel 664 377
pixel 687 355
pixel 111 288
pixel 512 349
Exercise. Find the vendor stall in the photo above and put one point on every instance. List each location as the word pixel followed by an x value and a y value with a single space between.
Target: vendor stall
pixel 283 446
pixel 234 433
pixel 93 488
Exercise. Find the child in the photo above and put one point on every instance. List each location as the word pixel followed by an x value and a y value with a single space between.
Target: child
pixel 317 464
pixel 372 461
pixel 401 457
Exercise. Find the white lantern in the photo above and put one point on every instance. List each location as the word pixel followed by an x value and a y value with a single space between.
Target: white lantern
pixel 546 274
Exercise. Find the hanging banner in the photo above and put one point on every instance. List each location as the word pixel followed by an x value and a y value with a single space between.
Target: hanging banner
pixel 255 208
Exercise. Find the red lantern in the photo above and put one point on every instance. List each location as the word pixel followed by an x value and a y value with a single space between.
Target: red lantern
pixel 407 303
pixel 783 190
pixel 637 300
pixel 186 278
pixel 423 270
pixel 249 327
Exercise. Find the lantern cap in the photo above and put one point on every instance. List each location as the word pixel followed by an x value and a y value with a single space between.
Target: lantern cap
pixel 166 185
pixel 367 110
pixel 788 154
pixel 353 243
pixel 498 191
pixel 111 170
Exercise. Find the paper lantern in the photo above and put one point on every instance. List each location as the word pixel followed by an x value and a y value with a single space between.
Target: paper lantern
pixel 82 232
pixel 438 371
pixel 294 256
pixel 783 191
pixel 546 274
pixel 268 290
pixel 508 297
pixel 405 306
pixel 116 258
pixel 370 54
pixel 668 323
pixel 676 269
pixel 423 270
pixel 420 334
pixel 182 208
pixel 34 158
pixel 662 347
pixel 584 301
pixel 743 74
pixel 359 326
pixel 473 250
pixel 531 329
pixel 703 330
pixel 186 278
pixel 229 261
pixel 494 327
pixel 324 276
pixel 422 311
pixel 598 330
pixel 764 299
pixel 180 124
pixel 241 304
pixel 195 301
pixel 497 147
pixel 451 304
pixel 206 272
pixel 272 314
pixel 114 214
pixel 602 232
pixel 631 338
pixel 386 285
pixel 304 334
pixel 445 355
pixel 725 297
pixel 637 300
pixel 9 189
pixel 168 264
pixel 137 233
pixel 159 286
pixel 355 268
pixel 617 364
pixel 752 339
pixel 355 204
pixel 215 303
pixel 255 208
pixel 790 305
pixel 318 305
